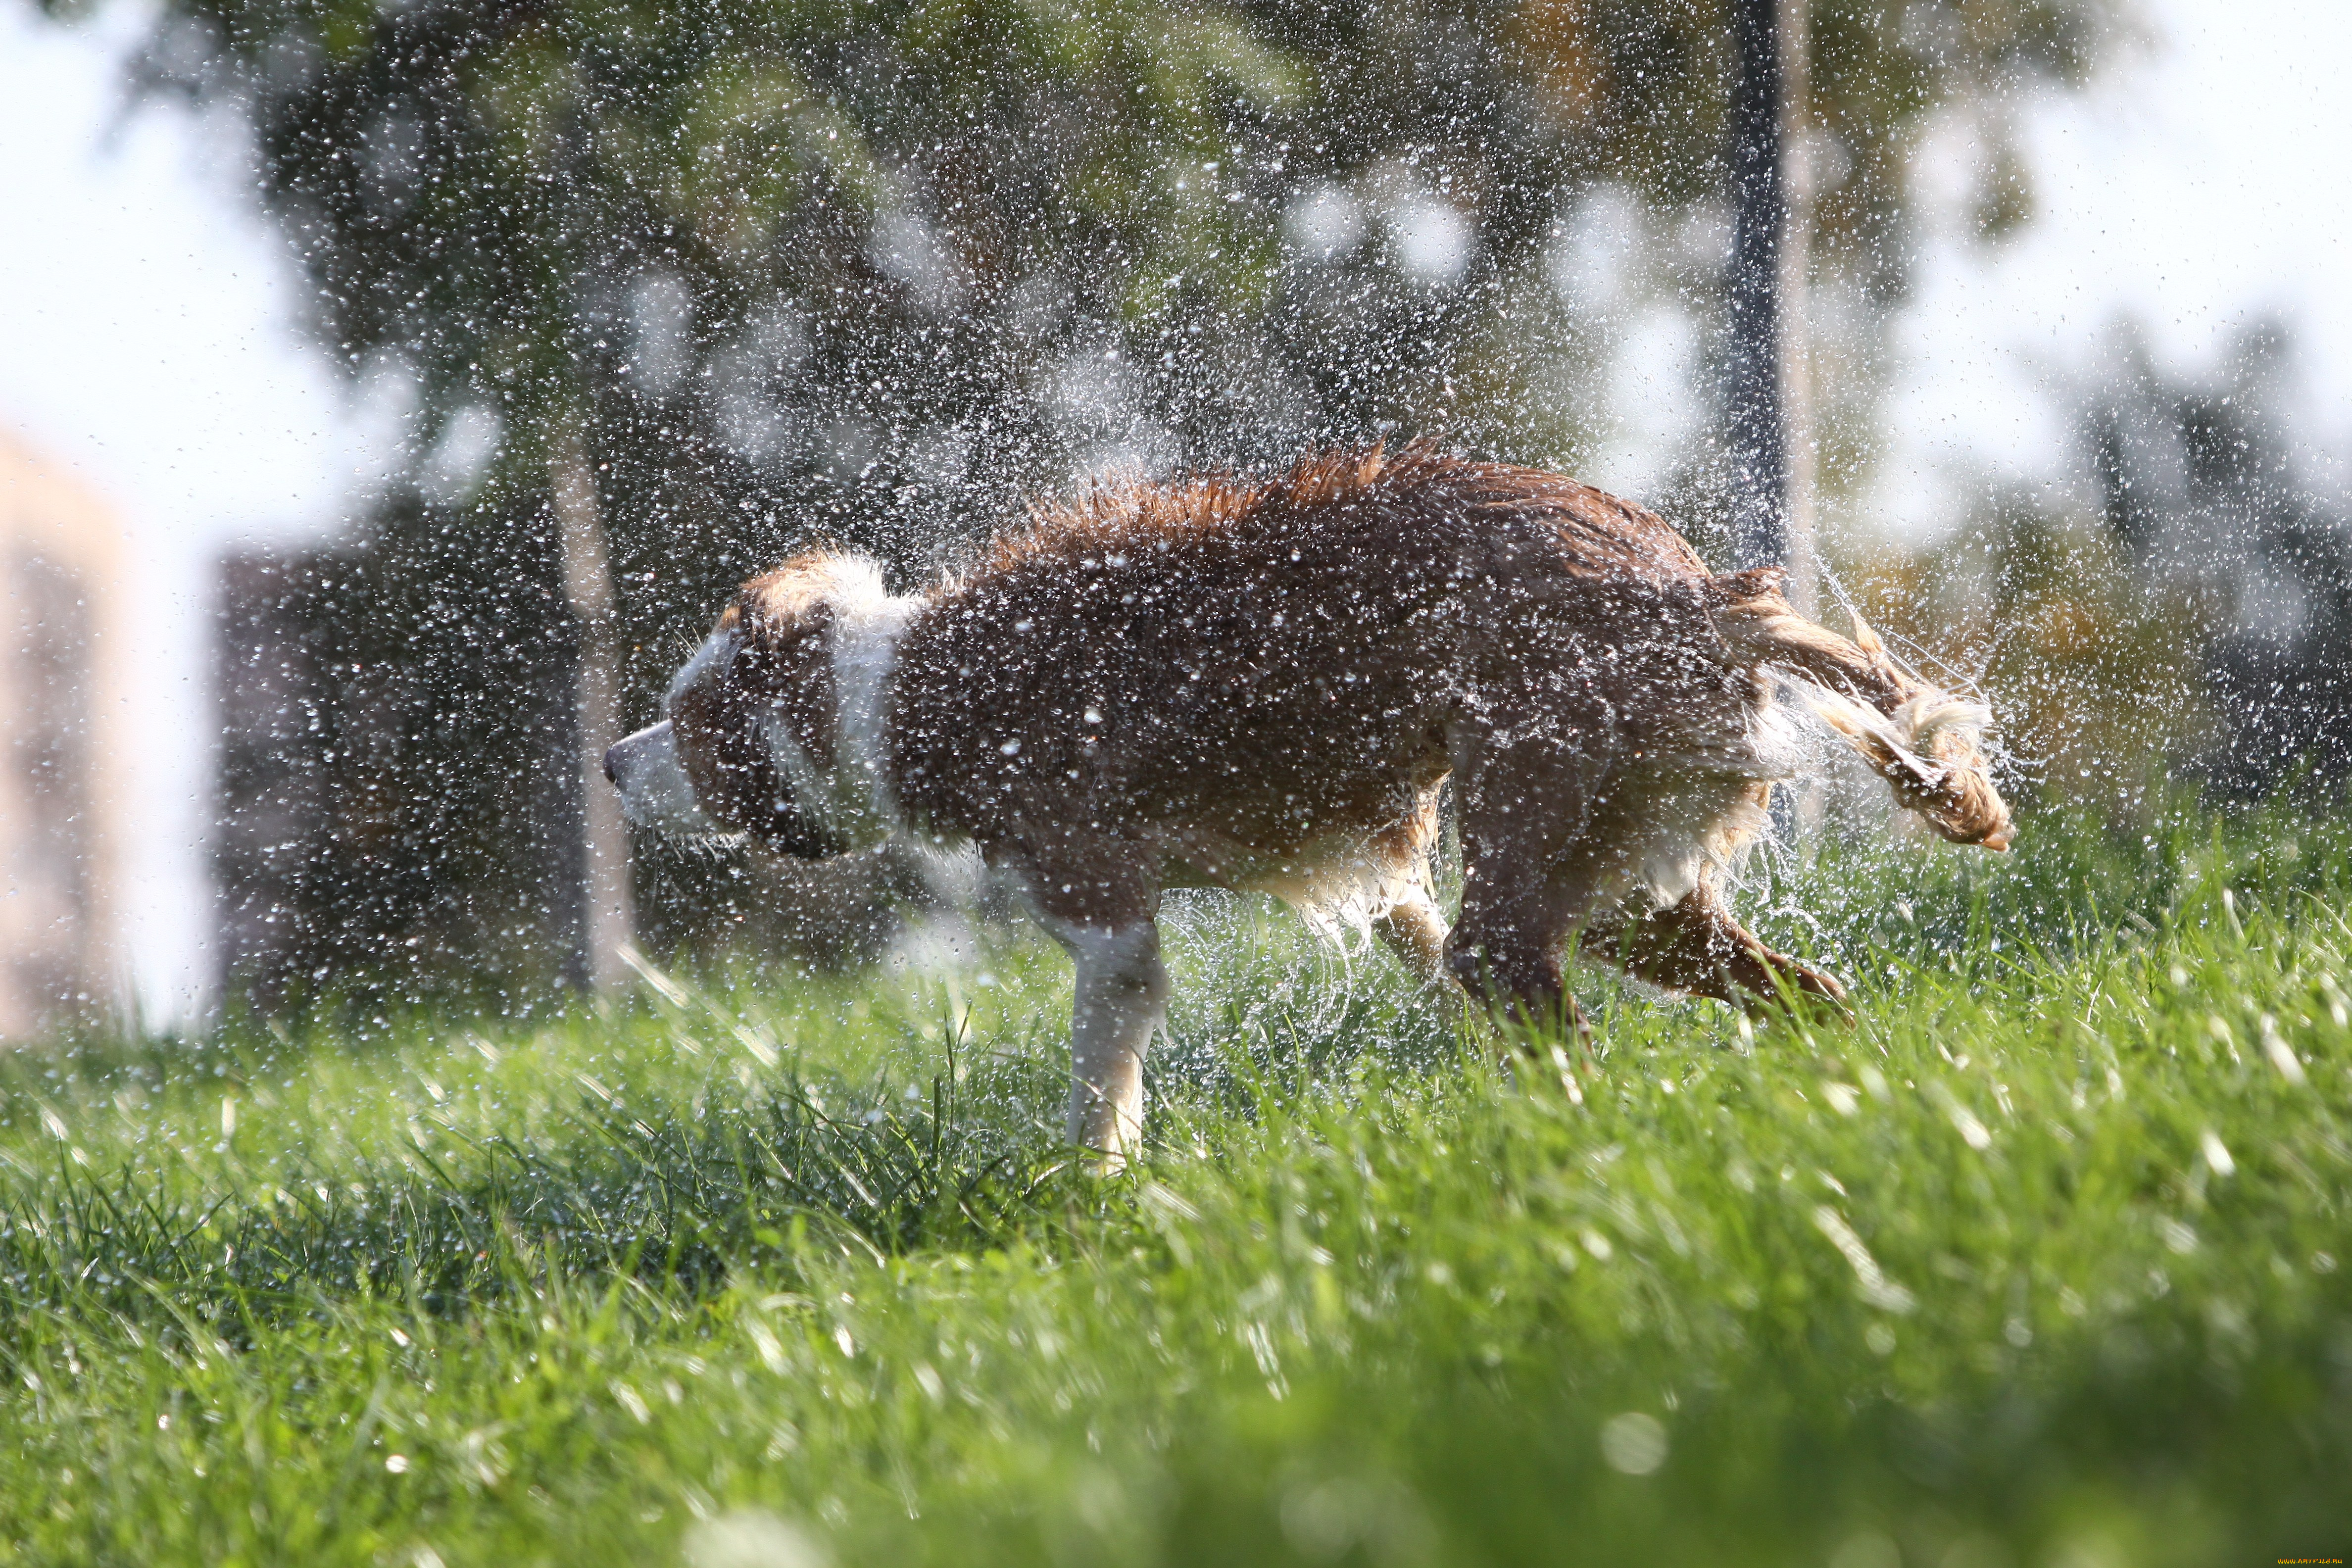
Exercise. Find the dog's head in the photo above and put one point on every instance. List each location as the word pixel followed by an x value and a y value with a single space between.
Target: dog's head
pixel 754 741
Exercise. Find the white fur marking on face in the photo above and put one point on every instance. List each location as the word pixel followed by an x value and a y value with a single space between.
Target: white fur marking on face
pixel 868 623
pixel 853 802
pixel 655 791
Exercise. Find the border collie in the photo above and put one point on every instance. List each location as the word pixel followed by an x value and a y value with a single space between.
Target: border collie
pixel 1209 682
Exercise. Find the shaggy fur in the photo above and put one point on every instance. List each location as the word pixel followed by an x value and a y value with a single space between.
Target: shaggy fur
pixel 1264 685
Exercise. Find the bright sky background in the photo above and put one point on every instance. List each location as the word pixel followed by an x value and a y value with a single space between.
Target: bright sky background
pixel 148 335
pixel 2203 188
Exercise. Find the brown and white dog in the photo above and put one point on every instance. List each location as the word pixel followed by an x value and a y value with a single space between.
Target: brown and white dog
pixel 1264 685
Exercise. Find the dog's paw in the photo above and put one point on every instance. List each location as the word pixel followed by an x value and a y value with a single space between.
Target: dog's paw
pixel 1806 990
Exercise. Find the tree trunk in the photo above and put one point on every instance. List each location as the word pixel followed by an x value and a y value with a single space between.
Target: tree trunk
pixel 608 914
pixel 1768 381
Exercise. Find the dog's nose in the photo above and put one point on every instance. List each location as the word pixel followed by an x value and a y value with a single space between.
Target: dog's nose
pixel 612 772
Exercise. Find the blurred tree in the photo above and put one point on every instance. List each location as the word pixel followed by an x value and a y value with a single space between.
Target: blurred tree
pixel 768 271
pixel 890 264
pixel 2179 602
pixel 392 703
pixel 2201 483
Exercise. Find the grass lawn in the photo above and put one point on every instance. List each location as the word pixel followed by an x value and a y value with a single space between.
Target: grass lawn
pixel 2044 1262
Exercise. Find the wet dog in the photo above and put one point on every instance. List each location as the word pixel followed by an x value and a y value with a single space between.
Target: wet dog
pixel 1264 685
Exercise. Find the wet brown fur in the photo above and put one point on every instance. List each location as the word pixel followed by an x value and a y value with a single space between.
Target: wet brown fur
pixel 1249 684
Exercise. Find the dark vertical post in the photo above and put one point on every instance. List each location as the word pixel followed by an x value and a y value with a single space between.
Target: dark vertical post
pixel 1755 439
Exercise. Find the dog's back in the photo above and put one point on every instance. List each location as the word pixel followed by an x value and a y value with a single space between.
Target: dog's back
pixel 1274 661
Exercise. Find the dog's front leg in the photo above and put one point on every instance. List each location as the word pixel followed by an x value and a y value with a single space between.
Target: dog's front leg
pixel 1122 999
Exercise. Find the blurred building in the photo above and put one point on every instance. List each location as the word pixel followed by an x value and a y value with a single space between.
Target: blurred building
pixel 271 778
pixel 390 820
pixel 61 686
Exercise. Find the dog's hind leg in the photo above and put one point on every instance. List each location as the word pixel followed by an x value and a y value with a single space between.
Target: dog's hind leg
pixel 1415 930
pixel 1531 868
pixel 1699 949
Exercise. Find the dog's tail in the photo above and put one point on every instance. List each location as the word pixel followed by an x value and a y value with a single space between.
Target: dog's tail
pixel 1921 740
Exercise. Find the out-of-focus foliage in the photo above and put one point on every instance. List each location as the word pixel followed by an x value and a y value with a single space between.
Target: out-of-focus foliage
pixel 2093 671
pixel 874 267
pixel 397 768
pixel 2184 596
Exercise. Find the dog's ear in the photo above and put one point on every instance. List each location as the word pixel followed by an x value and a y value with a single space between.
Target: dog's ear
pixel 784 641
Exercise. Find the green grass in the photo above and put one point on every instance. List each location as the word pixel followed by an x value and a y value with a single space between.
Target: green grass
pixel 2035 1265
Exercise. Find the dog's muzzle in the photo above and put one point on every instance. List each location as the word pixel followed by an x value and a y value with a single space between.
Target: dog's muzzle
pixel 655 791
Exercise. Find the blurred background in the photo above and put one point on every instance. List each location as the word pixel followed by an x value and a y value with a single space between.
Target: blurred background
pixel 391 393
